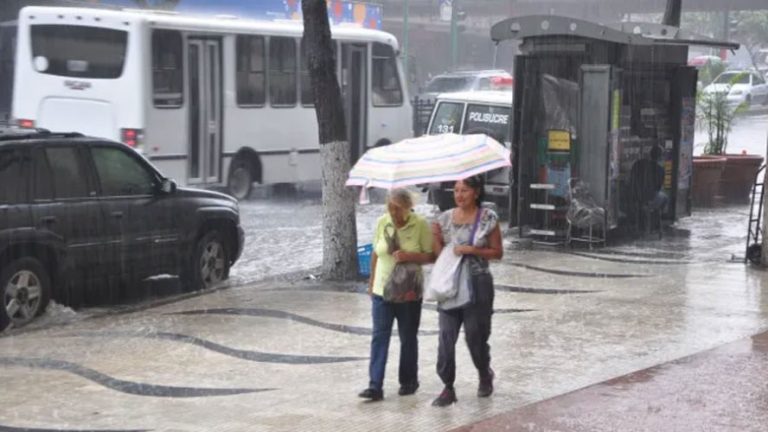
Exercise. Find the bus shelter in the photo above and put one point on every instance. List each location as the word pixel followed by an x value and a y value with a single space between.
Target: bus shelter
pixel 590 102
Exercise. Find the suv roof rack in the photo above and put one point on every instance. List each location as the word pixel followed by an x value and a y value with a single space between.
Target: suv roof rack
pixel 10 134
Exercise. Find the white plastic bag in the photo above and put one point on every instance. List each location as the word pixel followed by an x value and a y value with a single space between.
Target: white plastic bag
pixel 441 285
pixel 465 293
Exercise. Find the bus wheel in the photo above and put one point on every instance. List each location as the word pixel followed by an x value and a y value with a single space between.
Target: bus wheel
pixel 241 180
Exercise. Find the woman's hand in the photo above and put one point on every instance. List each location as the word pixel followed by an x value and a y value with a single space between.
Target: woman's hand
pixel 402 257
pixel 464 250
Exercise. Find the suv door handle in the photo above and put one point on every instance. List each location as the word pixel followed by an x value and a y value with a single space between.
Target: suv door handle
pixel 117 214
pixel 48 220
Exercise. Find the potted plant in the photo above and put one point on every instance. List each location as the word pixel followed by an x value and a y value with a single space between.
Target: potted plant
pixel 719 176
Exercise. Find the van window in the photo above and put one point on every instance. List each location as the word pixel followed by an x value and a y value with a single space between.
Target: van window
pixel 447 118
pixel 78 51
pixel 488 119
pixel 167 68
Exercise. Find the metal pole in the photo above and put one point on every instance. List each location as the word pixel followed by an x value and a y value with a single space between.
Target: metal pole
pixel 454 34
pixel 764 245
pixel 406 35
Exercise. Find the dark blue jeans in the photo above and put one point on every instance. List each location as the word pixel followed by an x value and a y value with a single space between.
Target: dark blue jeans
pixel 408 317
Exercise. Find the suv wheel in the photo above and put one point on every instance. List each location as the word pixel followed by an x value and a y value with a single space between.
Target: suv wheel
pixel 25 288
pixel 209 265
pixel 240 182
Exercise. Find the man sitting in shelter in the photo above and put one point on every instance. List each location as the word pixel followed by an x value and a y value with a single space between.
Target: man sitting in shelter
pixel 646 185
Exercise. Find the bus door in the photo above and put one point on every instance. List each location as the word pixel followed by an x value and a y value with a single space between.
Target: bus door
pixel 353 90
pixel 205 115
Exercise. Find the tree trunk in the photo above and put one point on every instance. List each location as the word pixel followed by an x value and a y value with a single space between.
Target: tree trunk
pixel 672 13
pixel 339 227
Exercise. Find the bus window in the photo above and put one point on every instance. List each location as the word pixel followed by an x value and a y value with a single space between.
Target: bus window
pixel 307 95
pixel 488 119
pixel 78 51
pixel 7 57
pixel 167 68
pixel 447 118
pixel 386 82
pixel 282 71
pixel 251 71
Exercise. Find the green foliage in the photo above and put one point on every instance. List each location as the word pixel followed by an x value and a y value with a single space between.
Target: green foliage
pixel 716 115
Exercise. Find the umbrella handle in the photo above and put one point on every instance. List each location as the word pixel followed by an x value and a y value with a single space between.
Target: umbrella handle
pixel 364 198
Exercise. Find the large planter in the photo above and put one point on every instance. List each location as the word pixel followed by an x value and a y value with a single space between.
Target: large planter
pixel 705 186
pixel 738 177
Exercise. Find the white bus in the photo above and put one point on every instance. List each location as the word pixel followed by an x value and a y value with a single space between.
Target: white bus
pixel 210 101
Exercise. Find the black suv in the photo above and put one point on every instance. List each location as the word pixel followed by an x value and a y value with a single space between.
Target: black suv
pixel 79 215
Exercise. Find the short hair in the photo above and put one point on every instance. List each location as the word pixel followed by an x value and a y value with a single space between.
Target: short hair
pixel 402 197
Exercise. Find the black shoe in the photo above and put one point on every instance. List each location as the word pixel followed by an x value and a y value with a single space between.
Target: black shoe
pixel 372 394
pixel 485 388
pixel 447 397
pixel 408 389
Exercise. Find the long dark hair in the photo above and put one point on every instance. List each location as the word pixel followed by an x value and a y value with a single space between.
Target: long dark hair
pixel 477 182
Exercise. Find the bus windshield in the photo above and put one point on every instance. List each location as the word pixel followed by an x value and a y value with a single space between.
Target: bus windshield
pixel 79 51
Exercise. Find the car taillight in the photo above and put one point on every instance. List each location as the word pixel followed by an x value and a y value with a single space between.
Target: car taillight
pixel 132 137
pixel 503 82
pixel 26 123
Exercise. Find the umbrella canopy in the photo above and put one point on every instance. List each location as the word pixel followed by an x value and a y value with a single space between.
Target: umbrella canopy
pixel 428 159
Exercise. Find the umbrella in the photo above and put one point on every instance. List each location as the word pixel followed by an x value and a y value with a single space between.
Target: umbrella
pixel 428 159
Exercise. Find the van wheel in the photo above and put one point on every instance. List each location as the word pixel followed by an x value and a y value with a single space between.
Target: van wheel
pixel 209 264
pixel 240 183
pixel 26 290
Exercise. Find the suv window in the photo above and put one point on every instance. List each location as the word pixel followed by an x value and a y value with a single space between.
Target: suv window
pixel 447 118
pixel 59 174
pixel 11 177
pixel 488 119
pixel 79 51
pixel 120 174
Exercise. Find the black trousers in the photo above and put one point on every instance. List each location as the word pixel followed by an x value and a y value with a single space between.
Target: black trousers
pixel 476 319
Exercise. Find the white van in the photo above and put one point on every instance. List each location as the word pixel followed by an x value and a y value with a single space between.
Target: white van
pixel 487 112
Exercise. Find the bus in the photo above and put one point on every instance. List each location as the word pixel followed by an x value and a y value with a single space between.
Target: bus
pixel 212 101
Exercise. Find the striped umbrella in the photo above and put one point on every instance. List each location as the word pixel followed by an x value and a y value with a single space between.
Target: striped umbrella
pixel 428 159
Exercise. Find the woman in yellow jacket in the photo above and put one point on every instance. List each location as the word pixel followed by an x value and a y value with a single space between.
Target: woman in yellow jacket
pixel 415 246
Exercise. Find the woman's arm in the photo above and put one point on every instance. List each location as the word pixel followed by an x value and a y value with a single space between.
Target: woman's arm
pixel 413 257
pixel 437 239
pixel 494 250
pixel 374 259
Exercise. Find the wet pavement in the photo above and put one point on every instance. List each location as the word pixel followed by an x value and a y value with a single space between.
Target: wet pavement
pixel 723 389
pixel 290 354
pixel 656 334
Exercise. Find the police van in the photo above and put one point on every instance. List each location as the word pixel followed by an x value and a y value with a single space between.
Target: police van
pixel 487 112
